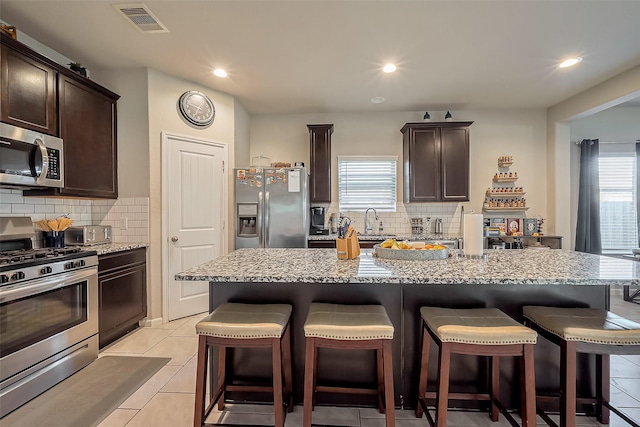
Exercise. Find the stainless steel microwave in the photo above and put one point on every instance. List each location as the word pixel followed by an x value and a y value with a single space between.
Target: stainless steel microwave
pixel 30 159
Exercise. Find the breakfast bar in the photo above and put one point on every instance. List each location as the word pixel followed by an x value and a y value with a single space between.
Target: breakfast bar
pixel 507 280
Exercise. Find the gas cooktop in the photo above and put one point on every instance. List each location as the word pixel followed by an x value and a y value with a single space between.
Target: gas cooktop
pixel 18 259
pixel 25 255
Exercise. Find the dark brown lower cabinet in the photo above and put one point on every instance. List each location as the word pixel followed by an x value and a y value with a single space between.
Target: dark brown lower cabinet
pixel 122 284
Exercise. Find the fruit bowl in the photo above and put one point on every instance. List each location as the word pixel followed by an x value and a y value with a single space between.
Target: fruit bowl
pixel 410 254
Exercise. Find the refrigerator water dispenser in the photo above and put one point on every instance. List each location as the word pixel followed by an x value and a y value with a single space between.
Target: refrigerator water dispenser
pixel 247 219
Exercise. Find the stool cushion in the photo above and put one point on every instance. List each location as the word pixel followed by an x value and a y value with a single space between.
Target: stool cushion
pixel 348 322
pixel 592 325
pixel 487 326
pixel 245 321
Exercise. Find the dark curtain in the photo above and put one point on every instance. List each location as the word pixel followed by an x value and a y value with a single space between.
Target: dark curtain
pixel 588 226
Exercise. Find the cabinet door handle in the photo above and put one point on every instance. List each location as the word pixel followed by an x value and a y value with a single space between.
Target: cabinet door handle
pixel 174 239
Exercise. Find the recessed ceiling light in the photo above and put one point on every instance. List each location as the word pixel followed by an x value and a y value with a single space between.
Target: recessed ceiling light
pixel 389 68
pixel 377 100
pixel 220 72
pixel 569 62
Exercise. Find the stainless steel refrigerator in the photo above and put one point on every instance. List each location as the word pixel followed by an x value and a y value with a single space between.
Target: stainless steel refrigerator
pixel 271 207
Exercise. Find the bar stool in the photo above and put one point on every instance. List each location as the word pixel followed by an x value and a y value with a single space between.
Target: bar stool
pixel 349 327
pixel 478 332
pixel 245 325
pixel 585 330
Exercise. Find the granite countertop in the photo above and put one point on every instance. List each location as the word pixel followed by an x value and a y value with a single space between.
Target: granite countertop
pixel 511 267
pixel 110 248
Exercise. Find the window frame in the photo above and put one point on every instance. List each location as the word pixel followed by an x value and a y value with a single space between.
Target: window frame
pixel 387 204
pixel 618 151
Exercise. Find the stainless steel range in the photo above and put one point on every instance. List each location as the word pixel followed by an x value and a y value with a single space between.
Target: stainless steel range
pixel 48 313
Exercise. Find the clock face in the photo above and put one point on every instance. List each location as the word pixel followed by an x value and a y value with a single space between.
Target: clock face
pixel 197 108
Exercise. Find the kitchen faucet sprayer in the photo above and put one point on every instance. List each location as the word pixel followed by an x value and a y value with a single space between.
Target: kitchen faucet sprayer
pixel 368 227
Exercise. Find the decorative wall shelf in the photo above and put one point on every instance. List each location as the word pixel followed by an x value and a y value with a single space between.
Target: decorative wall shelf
pixel 505 209
pixel 505 194
pixel 509 196
pixel 505 161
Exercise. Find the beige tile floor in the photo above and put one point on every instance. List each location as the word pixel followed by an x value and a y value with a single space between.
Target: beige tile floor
pixel 167 399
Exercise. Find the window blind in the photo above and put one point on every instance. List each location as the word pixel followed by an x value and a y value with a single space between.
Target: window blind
pixel 618 202
pixel 367 182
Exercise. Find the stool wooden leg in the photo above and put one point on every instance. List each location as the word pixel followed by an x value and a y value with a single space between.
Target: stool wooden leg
pixel 201 381
pixel 568 384
pixel 286 362
pixel 315 376
pixel 603 387
pixel 276 362
pixel 442 398
pixel 389 404
pixel 495 387
pixel 380 369
pixel 528 386
pixel 309 370
pixel 424 370
pixel 222 370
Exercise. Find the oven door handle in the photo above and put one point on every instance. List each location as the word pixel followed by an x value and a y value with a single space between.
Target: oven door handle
pixel 21 290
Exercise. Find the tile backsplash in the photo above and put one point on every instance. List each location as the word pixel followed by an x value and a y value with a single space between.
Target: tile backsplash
pixel 399 222
pixel 127 216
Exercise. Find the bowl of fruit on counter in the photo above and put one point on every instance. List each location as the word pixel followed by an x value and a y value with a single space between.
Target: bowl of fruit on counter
pixel 413 251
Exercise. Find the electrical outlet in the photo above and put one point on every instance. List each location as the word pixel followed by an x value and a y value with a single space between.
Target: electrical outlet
pixel 124 223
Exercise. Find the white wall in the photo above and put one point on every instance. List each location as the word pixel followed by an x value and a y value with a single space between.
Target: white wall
pixel 133 127
pixel 617 124
pixel 520 133
pixel 164 91
pixel 242 136
pixel 621 88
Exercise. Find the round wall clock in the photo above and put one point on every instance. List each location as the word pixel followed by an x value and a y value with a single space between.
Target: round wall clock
pixel 197 108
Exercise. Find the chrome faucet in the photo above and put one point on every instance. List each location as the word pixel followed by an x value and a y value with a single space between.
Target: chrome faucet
pixel 367 227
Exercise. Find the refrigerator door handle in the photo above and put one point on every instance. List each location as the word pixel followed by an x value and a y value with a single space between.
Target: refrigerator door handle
pixel 267 208
pixel 259 221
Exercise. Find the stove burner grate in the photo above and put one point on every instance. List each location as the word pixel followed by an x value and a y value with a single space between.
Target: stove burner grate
pixel 23 255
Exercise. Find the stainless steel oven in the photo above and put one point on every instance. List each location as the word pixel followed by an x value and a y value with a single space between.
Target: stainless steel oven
pixel 30 159
pixel 48 319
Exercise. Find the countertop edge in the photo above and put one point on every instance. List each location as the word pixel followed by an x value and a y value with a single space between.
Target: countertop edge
pixel 110 248
pixel 406 281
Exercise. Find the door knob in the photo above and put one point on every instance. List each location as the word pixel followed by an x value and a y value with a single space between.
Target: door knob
pixel 174 239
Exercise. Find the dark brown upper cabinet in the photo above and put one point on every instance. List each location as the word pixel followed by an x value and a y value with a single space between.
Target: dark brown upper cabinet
pixel 88 129
pixel 44 96
pixel 29 94
pixel 320 163
pixel 436 161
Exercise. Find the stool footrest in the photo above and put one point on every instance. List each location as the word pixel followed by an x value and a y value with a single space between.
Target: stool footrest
pixel 460 396
pixel 346 390
pixel 250 388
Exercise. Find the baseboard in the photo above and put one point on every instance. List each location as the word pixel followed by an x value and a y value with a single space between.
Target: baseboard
pixel 150 323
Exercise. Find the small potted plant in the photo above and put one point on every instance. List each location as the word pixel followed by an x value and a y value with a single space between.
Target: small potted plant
pixel 78 68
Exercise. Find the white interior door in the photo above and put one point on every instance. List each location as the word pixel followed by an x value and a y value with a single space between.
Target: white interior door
pixel 195 194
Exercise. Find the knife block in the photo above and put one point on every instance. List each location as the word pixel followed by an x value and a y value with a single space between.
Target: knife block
pixel 348 247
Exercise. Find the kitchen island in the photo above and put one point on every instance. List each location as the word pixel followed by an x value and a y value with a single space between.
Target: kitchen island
pixel 506 280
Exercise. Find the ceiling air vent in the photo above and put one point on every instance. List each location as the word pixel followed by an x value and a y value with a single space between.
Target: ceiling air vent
pixel 140 17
